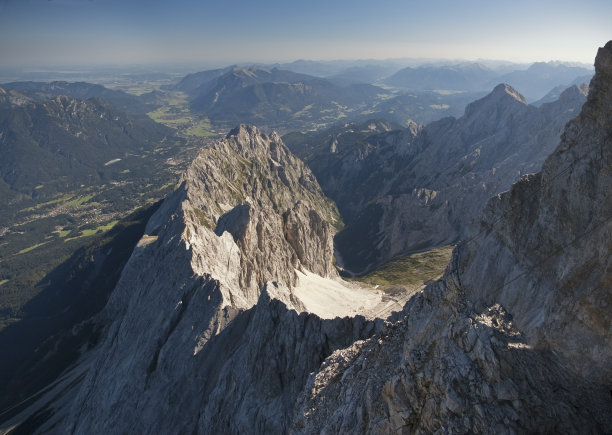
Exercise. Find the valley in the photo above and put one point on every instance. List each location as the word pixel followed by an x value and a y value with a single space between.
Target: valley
pixel 70 170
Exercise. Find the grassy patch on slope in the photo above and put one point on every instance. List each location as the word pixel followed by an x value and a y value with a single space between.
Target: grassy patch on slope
pixel 410 270
pixel 31 248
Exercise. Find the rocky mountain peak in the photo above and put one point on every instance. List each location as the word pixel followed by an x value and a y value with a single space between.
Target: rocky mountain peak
pixel 582 89
pixel 205 290
pixel 573 93
pixel 250 142
pixel 503 98
pixel 242 131
pixel 505 89
pixel 496 110
pixel 249 166
pixel 262 208
pixel 64 101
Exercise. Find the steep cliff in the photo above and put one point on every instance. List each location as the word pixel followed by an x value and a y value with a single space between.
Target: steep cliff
pixel 516 336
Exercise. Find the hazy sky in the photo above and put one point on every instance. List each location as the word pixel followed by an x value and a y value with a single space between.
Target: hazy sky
pixel 57 32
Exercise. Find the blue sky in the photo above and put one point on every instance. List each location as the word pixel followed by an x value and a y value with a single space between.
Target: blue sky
pixel 80 32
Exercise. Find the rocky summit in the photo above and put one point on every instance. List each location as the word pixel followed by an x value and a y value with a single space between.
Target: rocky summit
pixel 243 221
pixel 229 316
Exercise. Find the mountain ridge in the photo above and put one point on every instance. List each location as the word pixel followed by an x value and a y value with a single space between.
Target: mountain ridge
pixel 469 76
pixel 276 97
pixel 401 199
pixel 41 91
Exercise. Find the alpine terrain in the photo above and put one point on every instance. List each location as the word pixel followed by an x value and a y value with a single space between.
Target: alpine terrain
pixel 230 316
pixel 417 188
pixel 516 336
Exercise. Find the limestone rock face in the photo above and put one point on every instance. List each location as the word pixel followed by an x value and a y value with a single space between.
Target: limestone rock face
pixel 247 185
pixel 516 336
pixel 190 308
pixel 311 239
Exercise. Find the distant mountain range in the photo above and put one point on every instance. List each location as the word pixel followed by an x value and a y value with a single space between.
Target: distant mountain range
pixel 372 73
pixel 533 83
pixel 330 68
pixel 286 100
pixel 555 93
pixel 462 77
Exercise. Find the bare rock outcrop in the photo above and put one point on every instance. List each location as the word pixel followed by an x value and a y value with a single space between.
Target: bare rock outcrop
pixel 445 368
pixel 311 239
pixel 246 216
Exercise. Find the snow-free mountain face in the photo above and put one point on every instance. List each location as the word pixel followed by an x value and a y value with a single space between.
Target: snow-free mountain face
pixel 42 142
pixel 462 77
pixel 275 97
pixel 535 81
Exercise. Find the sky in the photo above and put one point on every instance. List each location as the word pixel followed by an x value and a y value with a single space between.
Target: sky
pixel 115 32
